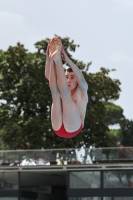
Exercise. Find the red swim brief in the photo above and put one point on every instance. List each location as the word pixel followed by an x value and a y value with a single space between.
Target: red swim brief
pixel 64 134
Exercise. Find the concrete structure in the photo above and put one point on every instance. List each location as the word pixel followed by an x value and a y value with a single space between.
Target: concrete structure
pixel 67 174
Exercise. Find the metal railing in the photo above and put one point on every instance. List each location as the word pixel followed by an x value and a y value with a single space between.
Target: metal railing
pixel 66 156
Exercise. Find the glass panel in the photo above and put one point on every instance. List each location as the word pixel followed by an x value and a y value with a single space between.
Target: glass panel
pixel 65 156
pixel 8 180
pixel 85 179
pixel 118 198
pixel 8 198
pixel 9 158
pixel 118 179
pixel 110 154
pixel 23 198
pixel 84 198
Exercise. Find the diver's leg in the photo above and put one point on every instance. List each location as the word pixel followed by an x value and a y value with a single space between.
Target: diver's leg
pixel 71 116
pixel 56 108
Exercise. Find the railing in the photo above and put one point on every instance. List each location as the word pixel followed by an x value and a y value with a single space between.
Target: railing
pixel 65 156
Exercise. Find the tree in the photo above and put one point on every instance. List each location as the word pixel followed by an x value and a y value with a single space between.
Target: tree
pixel 27 102
pixel 114 114
pixel 113 118
pixel 25 112
pixel 101 90
pixel 127 133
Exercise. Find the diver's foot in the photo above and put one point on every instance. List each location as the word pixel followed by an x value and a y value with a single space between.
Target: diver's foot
pixel 55 48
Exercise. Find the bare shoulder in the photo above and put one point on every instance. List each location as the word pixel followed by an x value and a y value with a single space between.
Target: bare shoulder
pixel 84 90
pixel 80 98
pixel 81 95
pixel 84 95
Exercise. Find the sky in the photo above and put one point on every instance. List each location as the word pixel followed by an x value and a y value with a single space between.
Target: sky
pixel 102 28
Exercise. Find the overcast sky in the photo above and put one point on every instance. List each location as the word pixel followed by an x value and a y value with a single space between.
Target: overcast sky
pixel 102 28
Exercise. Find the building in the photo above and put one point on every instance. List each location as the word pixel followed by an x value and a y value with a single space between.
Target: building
pixel 67 174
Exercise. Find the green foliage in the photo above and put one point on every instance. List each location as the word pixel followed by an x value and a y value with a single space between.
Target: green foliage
pixel 22 88
pixel 101 90
pixel 114 137
pixel 127 133
pixel 113 118
pixel 114 113
pixel 25 112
